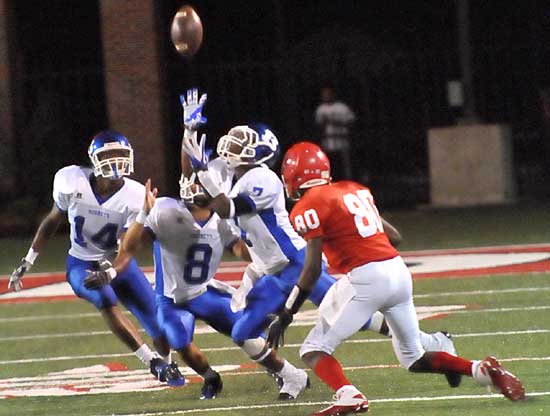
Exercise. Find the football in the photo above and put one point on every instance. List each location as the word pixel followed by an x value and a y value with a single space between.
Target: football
pixel 186 31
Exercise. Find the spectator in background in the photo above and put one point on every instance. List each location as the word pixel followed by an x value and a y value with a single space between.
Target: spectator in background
pixel 335 119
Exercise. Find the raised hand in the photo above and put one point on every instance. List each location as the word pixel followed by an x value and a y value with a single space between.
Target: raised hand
pixel 192 109
pixel 197 152
pixel 150 197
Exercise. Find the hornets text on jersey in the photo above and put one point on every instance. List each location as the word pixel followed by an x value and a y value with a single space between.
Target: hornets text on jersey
pixel 95 223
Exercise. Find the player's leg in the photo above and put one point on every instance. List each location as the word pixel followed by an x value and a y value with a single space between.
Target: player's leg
pixel 402 320
pixel 135 292
pixel 179 324
pixel 267 297
pixel 439 341
pixel 340 317
pixel 105 301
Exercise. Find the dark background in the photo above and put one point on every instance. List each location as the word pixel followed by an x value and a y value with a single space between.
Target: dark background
pixel 266 61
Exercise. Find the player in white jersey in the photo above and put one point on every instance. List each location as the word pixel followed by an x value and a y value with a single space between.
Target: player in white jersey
pixel 247 191
pixel 189 241
pixel 100 204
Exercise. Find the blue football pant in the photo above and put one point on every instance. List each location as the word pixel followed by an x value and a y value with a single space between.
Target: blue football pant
pixel 178 320
pixel 131 287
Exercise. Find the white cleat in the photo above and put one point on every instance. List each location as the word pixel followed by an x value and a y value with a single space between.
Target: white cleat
pixel 348 402
pixel 293 386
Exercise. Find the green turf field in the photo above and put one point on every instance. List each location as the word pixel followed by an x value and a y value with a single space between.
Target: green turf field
pixel 509 318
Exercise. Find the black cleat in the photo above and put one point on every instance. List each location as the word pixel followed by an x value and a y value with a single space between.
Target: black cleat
pixel 211 388
pixel 167 373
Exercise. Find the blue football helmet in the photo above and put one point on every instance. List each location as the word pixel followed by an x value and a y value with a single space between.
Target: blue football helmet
pixel 253 144
pixel 111 155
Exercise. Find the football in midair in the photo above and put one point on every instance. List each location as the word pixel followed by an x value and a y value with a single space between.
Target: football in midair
pixel 186 31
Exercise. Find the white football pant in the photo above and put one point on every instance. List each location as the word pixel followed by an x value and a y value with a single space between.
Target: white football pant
pixel 384 286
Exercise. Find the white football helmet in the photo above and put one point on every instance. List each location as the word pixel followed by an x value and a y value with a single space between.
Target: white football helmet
pixel 253 144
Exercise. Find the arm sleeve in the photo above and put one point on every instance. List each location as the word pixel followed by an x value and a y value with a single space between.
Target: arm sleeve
pixel 61 190
pixel 228 234
pixel 259 192
pixel 152 221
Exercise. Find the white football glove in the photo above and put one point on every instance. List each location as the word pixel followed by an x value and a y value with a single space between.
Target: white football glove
pixel 197 152
pixel 15 282
pixel 192 109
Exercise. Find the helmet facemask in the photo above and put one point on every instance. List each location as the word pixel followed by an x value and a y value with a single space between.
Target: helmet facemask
pixel 113 160
pixel 191 192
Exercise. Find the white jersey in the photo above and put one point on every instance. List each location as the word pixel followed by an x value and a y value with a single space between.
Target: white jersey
pixel 96 224
pixel 187 254
pixel 271 239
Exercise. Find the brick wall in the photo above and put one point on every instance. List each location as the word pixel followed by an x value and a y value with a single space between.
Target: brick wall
pixel 7 136
pixel 133 82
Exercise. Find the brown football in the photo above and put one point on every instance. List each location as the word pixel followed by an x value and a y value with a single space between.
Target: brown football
pixel 186 31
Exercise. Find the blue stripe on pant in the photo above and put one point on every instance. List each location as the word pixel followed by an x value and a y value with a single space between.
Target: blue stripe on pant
pixel 131 287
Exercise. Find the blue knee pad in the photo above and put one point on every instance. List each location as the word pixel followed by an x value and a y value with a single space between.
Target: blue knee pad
pixel 76 272
pixel 177 323
pixel 136 293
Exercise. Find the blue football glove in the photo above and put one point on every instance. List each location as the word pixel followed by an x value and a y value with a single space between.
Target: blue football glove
pixel 197 152
pixel 192 109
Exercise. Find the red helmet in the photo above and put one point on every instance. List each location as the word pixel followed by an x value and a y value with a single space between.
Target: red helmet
pixel 305 165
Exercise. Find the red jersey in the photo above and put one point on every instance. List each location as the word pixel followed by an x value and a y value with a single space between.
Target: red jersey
pixel 344 215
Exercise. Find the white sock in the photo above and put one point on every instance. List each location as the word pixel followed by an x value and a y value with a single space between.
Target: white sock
pixel 145 354
pixel 480 375
pixel 287 370
pixel 167 358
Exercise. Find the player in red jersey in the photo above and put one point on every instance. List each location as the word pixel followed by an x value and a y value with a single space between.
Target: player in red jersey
pixel 341 220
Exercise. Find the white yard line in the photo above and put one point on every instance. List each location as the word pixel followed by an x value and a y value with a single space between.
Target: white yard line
pixel 483 292
pixel 420 296
pixel 218 349
pixel 300 404
pixel 205 329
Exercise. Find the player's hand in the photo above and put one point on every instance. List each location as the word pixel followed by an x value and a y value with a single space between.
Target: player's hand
pixel 15 282
pixel 277 328
pixel 96 279
pixel 150 197
pixel 192 109
pixel 197 152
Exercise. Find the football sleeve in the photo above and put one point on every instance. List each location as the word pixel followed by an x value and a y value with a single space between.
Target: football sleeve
pixel 228 234
pixel 62 191
pixel 152 221
pixel 259 191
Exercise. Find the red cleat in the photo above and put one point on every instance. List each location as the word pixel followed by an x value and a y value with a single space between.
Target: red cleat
pixel 508 384
pixel 350 402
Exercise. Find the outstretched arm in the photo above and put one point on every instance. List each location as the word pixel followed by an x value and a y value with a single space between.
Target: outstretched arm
pixel 45 231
